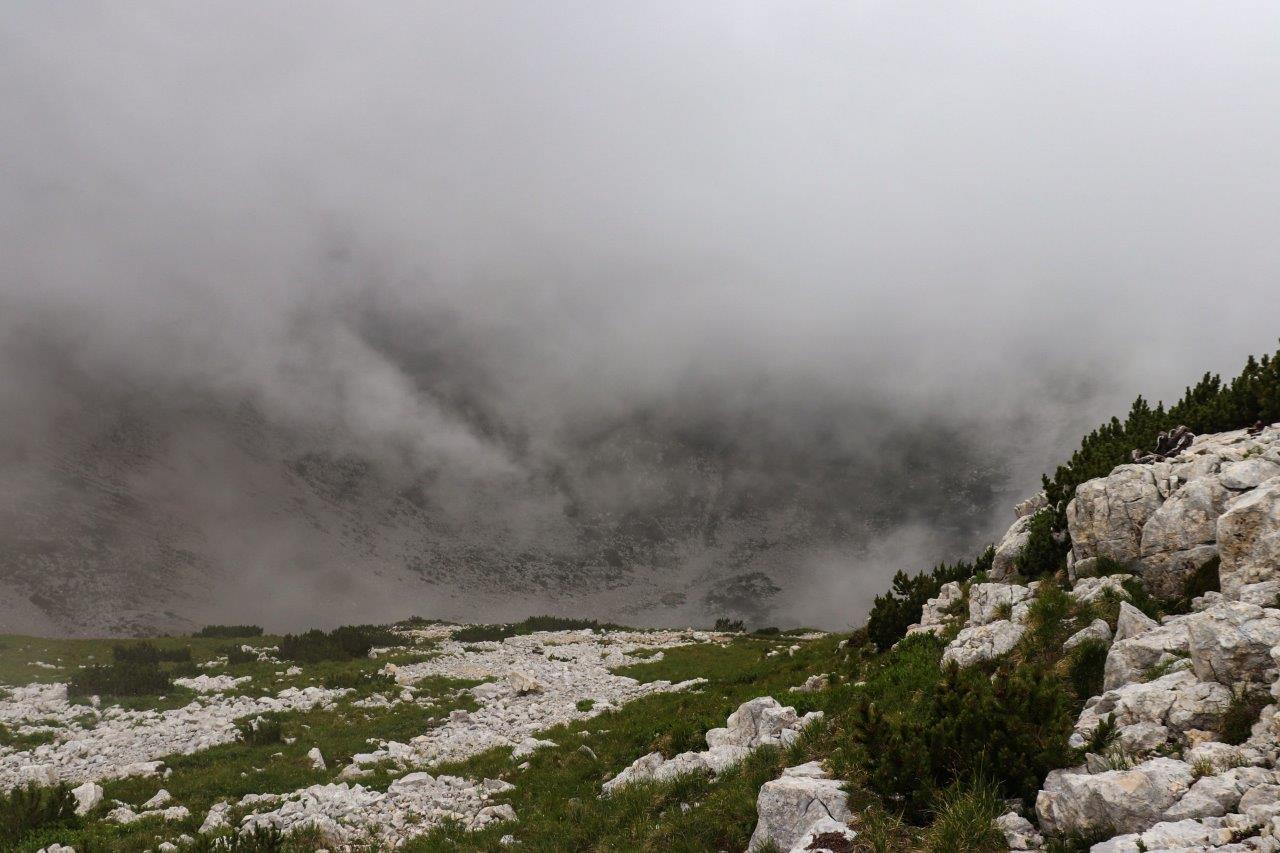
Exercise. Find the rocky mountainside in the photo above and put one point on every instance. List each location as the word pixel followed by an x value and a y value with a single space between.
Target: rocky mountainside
pixel 1181 747
pixel 1124 698
pixel 134 513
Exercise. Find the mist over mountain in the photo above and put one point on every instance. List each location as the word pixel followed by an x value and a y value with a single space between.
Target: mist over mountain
pixel 653 317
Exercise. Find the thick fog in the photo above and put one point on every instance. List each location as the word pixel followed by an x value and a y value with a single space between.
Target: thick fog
pixel 459 235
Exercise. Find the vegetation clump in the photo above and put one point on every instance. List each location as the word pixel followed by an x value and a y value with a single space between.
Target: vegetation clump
pixel 229 631
pixel 498 633
pixel 148 652
pixel 895 611
pixel 28 809
pixel 345 643
pixel 121 678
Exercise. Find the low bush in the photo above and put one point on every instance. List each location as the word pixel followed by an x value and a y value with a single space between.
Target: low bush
pixel 1012 730
pixel 895 611
pixel 1043 554
pixel 229 631
pixel 260 731
pixel 498 633
pixel 1242 713
pixel 729 626
pixel 122 678
pixel 345 643
pixel 357 680
pixel 237 654
pixel 148 652
pixel 964 820
pixel 1085 666
pixel 28 809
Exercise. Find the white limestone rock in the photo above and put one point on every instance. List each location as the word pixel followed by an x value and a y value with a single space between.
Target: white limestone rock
pixel 983 642
pixel 1214 796
pixel 1141 644
pixel 1249 538
pixel 988 601
pixel 1098 629
pixel 1231 642
pixel 1107 514
pixel 789 807
pixel 1120 800
pixel 88 797
pixel 1010 547
pixel 1177 701
pixel 1089 589
pixel 1018 832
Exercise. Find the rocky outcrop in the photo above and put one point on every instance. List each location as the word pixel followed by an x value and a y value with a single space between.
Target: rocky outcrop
pixel 1123 801
pixel 991 601
pixel 979 643
pixel 1231 642
pixel 1249 538
pixel 792 807
pixel 935 615
pixel 1097 630
pixel 758 722
pixel 1009 548
pixel 1107 515
pixel 1169 518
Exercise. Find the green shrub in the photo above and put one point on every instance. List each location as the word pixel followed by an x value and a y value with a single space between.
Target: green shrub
pixel 1242 713
pixel 27 809
pixel 148 652
pixel 767 631
pixel 184 669
pixel 237 655
pixel 229 631
pixel 965 820
pixel 728 626
pixel 1012 729
pixel 1043 554
pixel 1141 599
pixel 895 611
pixel 1209 406
pixel 345 643
pixel 356 680
pixel 585 705
pixel 122 678
pixel 498 633
pixel 260 731
pixel 1086 664
pixel 1108 566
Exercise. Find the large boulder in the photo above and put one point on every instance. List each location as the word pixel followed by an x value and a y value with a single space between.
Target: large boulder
pixel 1166 574
pixel 1136 651
pixel 1188 518
pixel 936 613
pixel 1249 538
pixel 1009 548
pixel 1107 514
pixel 1249 473
pixel 1177 701
pixel 983 642
pixel 991 601
pixel 1231 642
pixel 790 806
pixel 1118 800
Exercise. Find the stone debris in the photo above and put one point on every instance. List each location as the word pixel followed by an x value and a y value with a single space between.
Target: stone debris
pixel 573 665
pixel 129 743
pixel 411 804
pixel 758 722
pixel 212 683
pixel 812 684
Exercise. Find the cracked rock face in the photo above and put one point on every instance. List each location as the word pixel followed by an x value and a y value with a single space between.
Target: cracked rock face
pixel 979 643
pixel 1219 497
pixel 756 723
pixel 1249 538
pixel 1107 515
pixel 1231 642
pixel 1121 800
pixel 792 806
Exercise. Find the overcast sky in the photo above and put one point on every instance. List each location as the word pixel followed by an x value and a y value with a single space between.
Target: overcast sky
pixel 990 210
